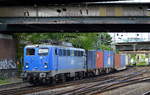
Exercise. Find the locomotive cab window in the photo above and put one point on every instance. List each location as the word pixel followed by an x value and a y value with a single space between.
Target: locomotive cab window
pixel 64 52
pixel 43 51
pixel 60 52
pixel 76 53
pixel 56 52
pixel 68 52
pixel 81 53
pixel 72 53
pixel 30 51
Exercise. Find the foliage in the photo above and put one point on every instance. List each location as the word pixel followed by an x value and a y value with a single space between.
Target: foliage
pixel 105 47
pixel 141 64
pixel 81 40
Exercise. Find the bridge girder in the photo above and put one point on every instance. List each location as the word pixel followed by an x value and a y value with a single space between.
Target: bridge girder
pixel 46 2
pixel 75 18
pixel 133 46
pixel 74 10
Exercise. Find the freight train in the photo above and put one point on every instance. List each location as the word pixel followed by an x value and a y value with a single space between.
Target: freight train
pixel 47 63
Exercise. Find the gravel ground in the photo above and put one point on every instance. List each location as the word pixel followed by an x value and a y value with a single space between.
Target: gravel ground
pixel 135 89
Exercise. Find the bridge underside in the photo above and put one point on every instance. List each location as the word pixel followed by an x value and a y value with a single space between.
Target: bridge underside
pixel 7 28
pixel 134 47
pixel 135 52
pixel 74 24
pixel 45 2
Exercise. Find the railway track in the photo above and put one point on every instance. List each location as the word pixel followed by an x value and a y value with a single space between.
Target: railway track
pixel 147 93
pixel 84 87
pixel 91 85
pixel 94 87
pixel 13 85
pixel 30 89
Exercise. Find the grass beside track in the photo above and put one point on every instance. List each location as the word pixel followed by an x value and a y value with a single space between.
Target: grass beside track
pixel 4 81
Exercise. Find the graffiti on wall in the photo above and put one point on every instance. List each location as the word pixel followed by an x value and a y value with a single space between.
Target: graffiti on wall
pixel 7 64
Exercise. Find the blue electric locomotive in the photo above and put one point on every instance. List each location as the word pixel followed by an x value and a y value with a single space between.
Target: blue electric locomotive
pixel 50 63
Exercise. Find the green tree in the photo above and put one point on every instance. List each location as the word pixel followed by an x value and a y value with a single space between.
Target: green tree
pixel 86 41
pixel 81 40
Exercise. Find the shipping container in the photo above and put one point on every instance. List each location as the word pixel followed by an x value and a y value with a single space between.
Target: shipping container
pixel 91 59
pixel 108 59
pixel 123 61
pixel 99 59
pixel 117 61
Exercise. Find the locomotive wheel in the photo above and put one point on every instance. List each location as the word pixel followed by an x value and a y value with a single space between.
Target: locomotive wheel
pixel 43 81
pixel 81 75
pixel 68 77
pixel 63 78
pixel 53 81
pixel 77 75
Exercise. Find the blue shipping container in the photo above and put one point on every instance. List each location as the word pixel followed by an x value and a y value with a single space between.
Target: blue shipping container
pixel 91 59
pixel 123 60
pixel 108 59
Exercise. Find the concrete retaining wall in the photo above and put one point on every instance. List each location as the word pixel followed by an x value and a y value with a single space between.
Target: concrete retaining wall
pixel 9 73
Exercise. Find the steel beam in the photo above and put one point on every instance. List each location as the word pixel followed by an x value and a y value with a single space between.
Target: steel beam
pixel 135 52
pixel 133 47
pixel 46 2
pixel 75 20
pixel 74 24
pixel 74 10
pixel 11 28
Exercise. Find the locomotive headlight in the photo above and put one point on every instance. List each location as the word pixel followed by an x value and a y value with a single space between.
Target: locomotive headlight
pixel 27 66
pixel 45 66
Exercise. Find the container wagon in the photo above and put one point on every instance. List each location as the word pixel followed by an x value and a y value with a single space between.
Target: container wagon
pixel 94 62
pixel 120 61
pixel 108 61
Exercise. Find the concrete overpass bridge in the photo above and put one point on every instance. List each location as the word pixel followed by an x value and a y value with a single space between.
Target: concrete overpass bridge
pixel 91 17
pixel 134 47
pixel 74 24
